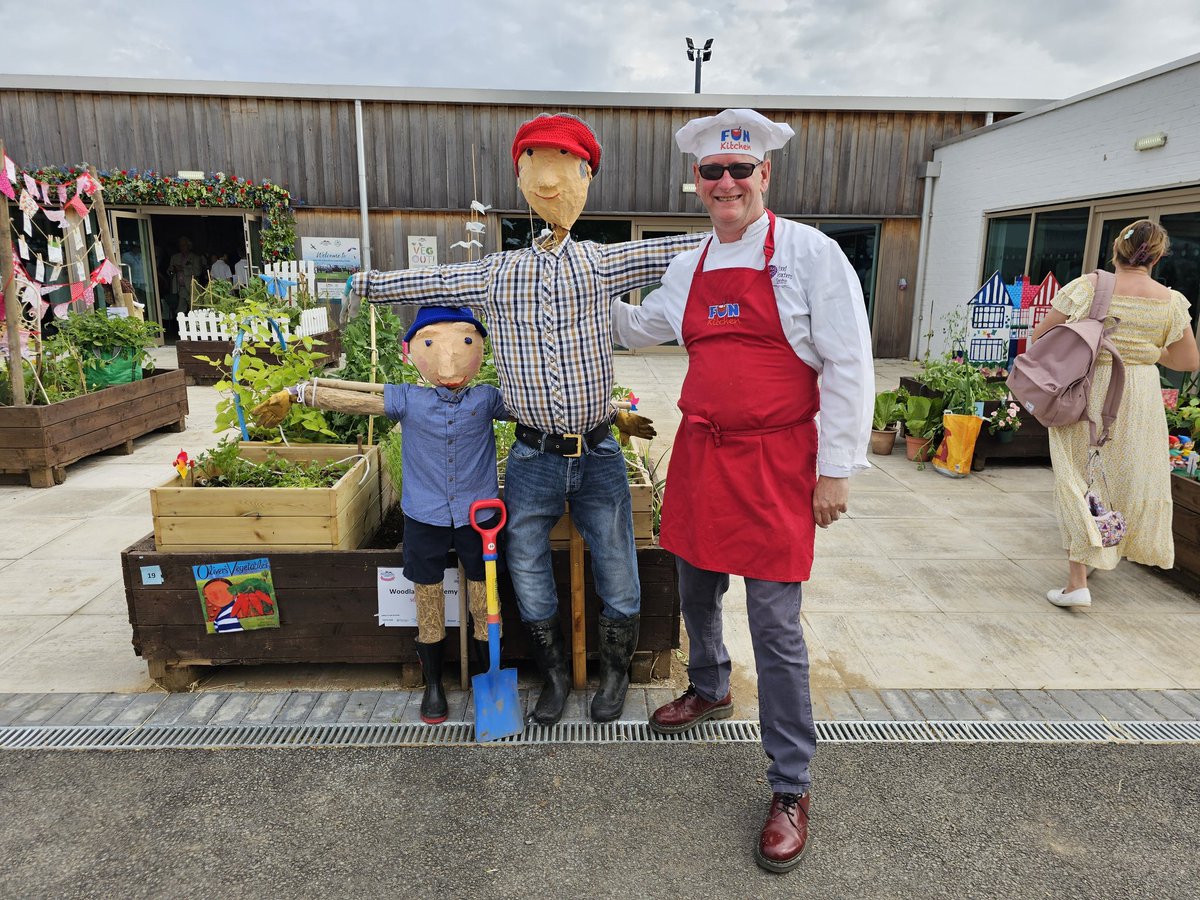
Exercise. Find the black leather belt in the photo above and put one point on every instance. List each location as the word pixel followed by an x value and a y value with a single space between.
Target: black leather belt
pixel 569 445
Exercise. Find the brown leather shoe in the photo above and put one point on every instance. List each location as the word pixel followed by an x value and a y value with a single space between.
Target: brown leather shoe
pixel 688 711
pixel 785 833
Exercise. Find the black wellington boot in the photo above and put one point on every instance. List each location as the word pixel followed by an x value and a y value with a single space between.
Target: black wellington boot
pixel 618 639
pixel 550 653
pixel 481 659
pixel 434 707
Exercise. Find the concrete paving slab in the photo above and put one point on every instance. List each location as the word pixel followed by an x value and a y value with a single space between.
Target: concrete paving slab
pixel 864 584
pixel 30 587
pixel 81 653
pixel 266 708
pixel 922 538
pixel 18 632
pixel 870 705
pixel 109 707
pixel 989 505
pixel 25 534
pixel 904 650
pixel 74 712
pixel 843 538
pixel 359 706
pixel 71 504
pixel 99 537
pixel 1028 538
pixel 976 585
pixel 233 709
pixel 205 705
pixel 109 602
pixel 1171 641
pixel 1037 651
pixel 988 706
pixel 1017 477
pixel 390 706
pixel 1129 589
pixel 328 708
pixel 140 708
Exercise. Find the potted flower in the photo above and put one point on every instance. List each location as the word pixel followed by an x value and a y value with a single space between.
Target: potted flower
pixel 1004 422
pixel 888 413
pixel 922 424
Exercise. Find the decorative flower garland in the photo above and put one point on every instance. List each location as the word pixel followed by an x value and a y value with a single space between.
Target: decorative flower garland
pixel 129 187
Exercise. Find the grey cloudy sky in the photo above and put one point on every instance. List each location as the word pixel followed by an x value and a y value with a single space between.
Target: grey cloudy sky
pixel 974 48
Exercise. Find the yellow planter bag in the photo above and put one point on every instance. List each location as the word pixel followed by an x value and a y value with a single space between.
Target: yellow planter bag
pixel 953 457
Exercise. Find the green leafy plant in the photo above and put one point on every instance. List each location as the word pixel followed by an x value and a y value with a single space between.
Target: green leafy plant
pixel 224 466
pixel 888 411
pixel 390 368
pixel 923 417
pixel 95 337
pixel 258 379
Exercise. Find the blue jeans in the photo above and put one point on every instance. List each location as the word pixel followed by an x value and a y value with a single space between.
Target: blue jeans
pixel 596 484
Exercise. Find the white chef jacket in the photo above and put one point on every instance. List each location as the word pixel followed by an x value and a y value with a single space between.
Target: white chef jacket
pixel 822 312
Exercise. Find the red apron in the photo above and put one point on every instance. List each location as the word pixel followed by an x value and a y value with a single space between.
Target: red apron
pixel 744 464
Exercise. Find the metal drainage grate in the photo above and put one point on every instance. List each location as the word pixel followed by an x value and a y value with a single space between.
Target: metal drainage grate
pixel 457 734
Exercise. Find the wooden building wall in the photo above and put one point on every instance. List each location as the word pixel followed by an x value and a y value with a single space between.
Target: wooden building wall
pixel 427 161
pixel 846 163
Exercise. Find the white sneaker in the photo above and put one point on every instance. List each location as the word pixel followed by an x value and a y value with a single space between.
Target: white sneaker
pixel 1059 597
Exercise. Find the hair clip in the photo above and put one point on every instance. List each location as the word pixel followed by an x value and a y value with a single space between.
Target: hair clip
pixel 1129 234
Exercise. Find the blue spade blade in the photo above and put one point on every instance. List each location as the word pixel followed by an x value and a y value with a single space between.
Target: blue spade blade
pixel 497 705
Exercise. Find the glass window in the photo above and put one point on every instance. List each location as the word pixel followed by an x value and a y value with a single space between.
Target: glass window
pixel 1058 239
pixel 515 231
pixel 858 242
pixel 1007 243
pixel 1180 268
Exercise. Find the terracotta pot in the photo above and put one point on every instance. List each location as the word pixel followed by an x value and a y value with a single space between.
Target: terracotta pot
pixel 883 442
pixel 919 449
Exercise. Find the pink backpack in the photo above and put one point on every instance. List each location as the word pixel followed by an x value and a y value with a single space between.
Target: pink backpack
pixel 1053 378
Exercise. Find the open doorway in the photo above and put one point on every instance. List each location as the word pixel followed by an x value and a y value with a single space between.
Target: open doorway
pixel 185 247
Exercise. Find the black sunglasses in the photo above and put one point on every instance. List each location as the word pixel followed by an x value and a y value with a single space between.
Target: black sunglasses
pixel 714 172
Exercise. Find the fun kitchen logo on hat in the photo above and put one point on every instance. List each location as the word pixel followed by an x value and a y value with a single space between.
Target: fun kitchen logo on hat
pixel 735 139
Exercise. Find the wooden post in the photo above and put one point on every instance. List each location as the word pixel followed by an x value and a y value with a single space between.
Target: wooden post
pixel 578 633
pixel 12 305
pixel 110 252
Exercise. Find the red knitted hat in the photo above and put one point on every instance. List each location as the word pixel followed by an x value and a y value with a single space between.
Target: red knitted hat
pixel 561 130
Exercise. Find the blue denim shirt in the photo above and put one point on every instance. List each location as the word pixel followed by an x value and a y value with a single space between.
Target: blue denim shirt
pixel 448 448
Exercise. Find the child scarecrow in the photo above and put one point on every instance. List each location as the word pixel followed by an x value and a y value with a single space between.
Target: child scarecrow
pixel 449 459
pixel 548 308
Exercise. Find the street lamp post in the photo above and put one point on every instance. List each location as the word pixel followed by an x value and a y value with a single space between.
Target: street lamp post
pixel 701 55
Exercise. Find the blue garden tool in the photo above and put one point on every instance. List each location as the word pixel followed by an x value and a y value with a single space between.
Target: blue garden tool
pixel 497 704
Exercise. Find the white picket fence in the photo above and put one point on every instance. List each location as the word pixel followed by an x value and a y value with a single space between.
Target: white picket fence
pixel 301 271
pixel 210 325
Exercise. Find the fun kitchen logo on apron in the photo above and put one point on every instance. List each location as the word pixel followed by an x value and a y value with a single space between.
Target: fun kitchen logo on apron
pixel 725 314
pixel 735 139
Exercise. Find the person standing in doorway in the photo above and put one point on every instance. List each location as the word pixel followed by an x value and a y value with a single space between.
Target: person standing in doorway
pixel 184 268
pixel 220 271
pixel 766 309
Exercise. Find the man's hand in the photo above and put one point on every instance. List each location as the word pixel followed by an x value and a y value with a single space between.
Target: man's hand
pixel 830 499
pixel 630 424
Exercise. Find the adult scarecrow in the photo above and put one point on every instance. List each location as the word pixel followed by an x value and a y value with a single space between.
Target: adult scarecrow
pixel 765 308
pixel 449 459
pixel 548 309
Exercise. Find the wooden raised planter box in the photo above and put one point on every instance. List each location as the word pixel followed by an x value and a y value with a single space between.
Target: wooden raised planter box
pixel 328 598
pixel 341 517
pixel 200 372
pixel 1032 440
pixel 39 441
pixel 328 601
pixel 1185 529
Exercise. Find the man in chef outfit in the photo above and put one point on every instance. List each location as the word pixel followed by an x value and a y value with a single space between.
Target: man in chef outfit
pixel 773 319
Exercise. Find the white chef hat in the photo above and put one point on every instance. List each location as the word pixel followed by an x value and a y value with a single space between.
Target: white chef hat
pixel 732 131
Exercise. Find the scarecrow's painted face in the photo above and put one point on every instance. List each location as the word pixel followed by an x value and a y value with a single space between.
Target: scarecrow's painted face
pixel 555 183
pixel 448 354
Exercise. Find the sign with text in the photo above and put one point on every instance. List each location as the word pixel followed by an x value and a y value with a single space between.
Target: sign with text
pixel 398 599
pixel 335 260
pixel 422 252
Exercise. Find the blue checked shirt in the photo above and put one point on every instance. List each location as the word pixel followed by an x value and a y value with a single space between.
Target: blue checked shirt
pixel 549 318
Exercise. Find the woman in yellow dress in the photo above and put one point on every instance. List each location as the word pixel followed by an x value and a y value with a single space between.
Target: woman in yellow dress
pixel 1155 327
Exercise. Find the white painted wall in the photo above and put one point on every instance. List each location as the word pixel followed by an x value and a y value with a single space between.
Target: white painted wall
pixel 1079 149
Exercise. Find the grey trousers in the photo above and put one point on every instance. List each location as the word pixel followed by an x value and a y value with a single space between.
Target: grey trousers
pixel 780 655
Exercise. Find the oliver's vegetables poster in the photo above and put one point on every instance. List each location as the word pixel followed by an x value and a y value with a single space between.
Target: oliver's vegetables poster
pixel 237 596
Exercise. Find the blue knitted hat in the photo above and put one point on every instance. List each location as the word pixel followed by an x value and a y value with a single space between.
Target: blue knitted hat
pixel 428 315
